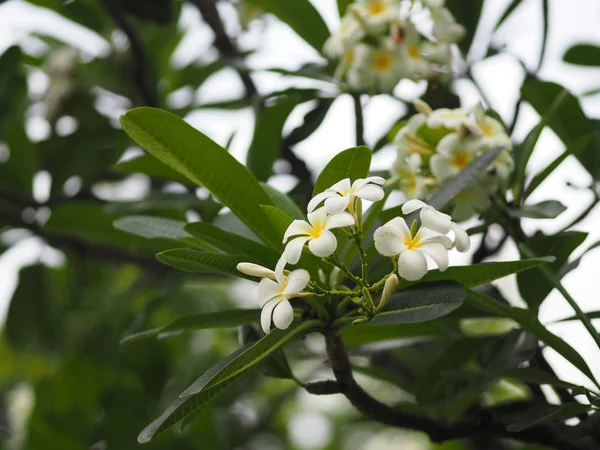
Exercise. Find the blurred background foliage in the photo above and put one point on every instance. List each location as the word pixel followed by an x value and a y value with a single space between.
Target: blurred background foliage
pixel 67 173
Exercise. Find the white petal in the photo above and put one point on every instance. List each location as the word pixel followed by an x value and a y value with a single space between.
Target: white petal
pixel 324 245
pixel 296 281
pixel 437 252
pixel 317 217
pixel 341 186
pixel 370 192
pixel 461 239
pixel 412 205
pixel 281 263
pixel 297 227
pixel 362 182
pixel 267 291
pixel 343 219
pixel 283 316
pixel 412 265
pixel 400 225
pixel 293 249
pixel 444 240
pixel 441 167
pixel 266 313
pixel 389 240
pixel 435 220
pixel 335 205
pixel 254 270
pixel 317 199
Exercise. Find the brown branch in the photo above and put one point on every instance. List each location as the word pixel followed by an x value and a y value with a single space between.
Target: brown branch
pixel 556 435
pixel 325 387
pixel 141 68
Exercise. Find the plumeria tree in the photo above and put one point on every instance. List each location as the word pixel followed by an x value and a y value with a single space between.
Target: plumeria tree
pixel 209 308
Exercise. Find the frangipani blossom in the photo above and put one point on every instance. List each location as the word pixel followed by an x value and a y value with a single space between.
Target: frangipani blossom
pixel 416 67
pixel 407 140
pixel 274 296
pixel 472 200
pixel 321 241
pixel 376 14
pixel 487 131
pixel 448 118
pixel 255 270
pixel 340 196
pixel 377 69
pixel 395 238
pixel 438 221
pixel 454 154
pixel 445 28
pixel 503 165
pixel 406 171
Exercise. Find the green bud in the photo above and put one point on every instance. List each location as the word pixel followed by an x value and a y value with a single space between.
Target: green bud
pixel 414 227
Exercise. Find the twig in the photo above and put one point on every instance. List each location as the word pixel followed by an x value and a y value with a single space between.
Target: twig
pixel 141 66
pixel 325 387
pixel 359 119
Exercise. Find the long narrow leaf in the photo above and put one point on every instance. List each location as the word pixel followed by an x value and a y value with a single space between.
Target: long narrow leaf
pixel 198 261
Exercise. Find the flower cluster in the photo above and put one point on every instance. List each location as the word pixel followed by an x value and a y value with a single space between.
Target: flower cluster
pixel 378 43
pixel 436 145
pixel 340 208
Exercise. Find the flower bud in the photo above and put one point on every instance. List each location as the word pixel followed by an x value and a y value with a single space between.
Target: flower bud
pixel 422 107
pixel 388 289
pixel 254 270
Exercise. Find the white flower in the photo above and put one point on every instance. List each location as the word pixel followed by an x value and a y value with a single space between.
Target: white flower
pixel 407 140
pixel 438 53
pixel 349 33
pixel 472 200
pixel 274 296
pixel 448 118
pixel 339 196
pixel 321 241
pixel 406 171
pixel 454 154
pixel 254 270
pixel 395 238
pixel 388 289
pixel 377 14
pixel 438 221
pixel 487 131
pixel 416 67
pixel 376 69
pixel 503 165
pixel 445 28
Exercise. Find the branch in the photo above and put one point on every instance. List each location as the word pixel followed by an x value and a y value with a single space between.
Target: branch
pixel 360 121
pixel 556 435
pixel 326 387
pixel 141 65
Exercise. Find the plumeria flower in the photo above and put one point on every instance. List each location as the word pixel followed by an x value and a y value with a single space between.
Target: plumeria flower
pixel 472 200
pixel 274 296
pixel 415 65
pixel 454 154
pixel 445 28
pixel 438 53
pixel 376 14
pixel 439 222
pixel 321 241
pixel 254 270
pixel 434 4
pixel 340 196
pixel 503 166
pixel 406 171
pixel 349 33
pixel 395 238
pixel 489 131
pixel 376 69
pixel 448 118
pixel 407 140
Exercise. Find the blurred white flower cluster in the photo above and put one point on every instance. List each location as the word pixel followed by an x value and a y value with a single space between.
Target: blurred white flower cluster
pixel 436 145
pixel 378 43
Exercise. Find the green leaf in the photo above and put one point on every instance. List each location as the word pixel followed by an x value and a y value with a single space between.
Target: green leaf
pixel 507 12
pixel 194 155
pixel 203 321
pixel 343 6
pixel 160 12
pixel 421 303
pixel 583 55
pixel 460 182
pixel 251 356
pixel 312 121
pixel 569 123
pixel 232 243
pixel 526 375
pixel 482 273
pixel 533 286
pixel 183 408
pixel 560 414
pixel 157 227
pixel 529 321
pixel 203 262
pixel 368 333
pixel 279 219
pixel 545 29
pixel 283 202
pixel 467 14
pixel 266 143
pixel 384 375
pixel 549 209
pixel 149 165
pixel 301 16
pixel 352 163
pixel 575 263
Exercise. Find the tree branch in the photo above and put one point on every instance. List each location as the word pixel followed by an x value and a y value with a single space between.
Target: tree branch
pixel 556 435
pixel 360 121
pixel 140 64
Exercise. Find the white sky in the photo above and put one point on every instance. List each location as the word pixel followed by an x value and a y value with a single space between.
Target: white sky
pixel 572 21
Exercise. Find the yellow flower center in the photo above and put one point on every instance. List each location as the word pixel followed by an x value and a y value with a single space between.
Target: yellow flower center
pixel 412 242
pixel 348 56
pixel 376 7
pixel 317 229
pixel 382 61
pixel 414 51
pixel 461 159
pixel 282 287
pixel 486 128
